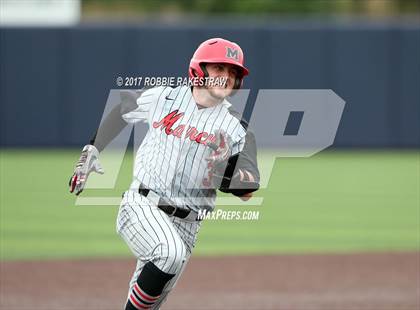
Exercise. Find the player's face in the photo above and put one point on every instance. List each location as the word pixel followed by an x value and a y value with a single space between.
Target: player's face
pixel 226 72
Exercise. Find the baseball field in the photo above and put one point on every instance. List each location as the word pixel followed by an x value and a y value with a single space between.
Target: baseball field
pixel 339 230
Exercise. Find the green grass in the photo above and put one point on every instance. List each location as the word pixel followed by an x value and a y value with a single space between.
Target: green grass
pixel 332 202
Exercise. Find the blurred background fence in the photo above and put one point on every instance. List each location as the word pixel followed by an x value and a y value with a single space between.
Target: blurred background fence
pixel 54 82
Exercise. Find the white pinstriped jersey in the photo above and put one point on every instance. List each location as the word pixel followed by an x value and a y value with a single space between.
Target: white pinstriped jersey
pixel 171 158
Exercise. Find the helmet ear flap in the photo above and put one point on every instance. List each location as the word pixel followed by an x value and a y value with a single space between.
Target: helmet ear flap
pixel 198 70
pixel 236 86
pixel 238 82
pixel 204 69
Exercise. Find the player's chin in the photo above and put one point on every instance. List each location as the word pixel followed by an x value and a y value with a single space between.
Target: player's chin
pixel 220 93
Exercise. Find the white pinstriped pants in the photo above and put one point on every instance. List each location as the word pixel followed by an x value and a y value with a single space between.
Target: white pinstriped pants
pixel 154 236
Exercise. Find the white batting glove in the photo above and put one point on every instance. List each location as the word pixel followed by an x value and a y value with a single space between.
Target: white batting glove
pixel 88 162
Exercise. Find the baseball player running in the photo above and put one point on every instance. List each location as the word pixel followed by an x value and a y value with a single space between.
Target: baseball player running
pixel 196 143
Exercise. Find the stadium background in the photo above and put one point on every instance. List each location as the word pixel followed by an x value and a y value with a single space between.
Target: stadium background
pixel 359 196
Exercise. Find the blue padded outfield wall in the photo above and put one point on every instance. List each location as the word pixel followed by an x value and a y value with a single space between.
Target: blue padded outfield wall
pixel 54 82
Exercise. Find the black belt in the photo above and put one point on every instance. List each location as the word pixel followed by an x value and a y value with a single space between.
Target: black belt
pixel 165 207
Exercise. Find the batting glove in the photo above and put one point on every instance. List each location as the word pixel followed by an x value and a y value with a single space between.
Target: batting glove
pixel 88 162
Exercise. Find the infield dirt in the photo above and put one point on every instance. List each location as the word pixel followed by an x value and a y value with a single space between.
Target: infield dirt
pixel 294 282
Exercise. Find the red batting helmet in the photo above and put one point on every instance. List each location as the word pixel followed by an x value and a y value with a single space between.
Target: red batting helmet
pixel 218 50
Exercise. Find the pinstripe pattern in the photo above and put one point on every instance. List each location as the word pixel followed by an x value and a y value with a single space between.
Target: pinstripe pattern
pixel 150 234
pixel 173 167
pixel 153 236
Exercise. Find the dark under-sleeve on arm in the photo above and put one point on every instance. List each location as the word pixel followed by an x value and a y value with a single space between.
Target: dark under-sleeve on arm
pixel 113 124
pixel 245 160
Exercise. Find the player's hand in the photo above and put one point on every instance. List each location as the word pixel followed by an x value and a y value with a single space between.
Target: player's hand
pixel 242 182
pixel 246 197
pixel 88 162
